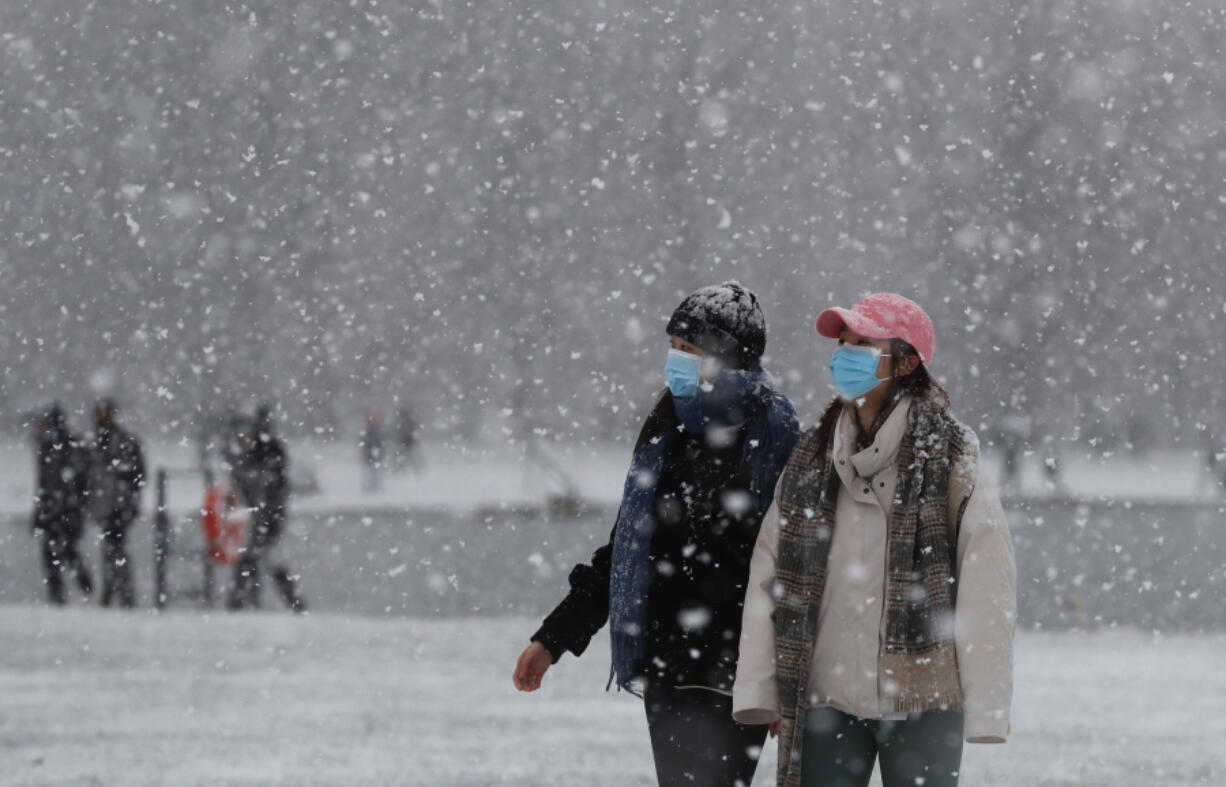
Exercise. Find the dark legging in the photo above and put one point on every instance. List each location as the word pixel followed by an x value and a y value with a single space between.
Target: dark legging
pixel 839 750
pixel 696 743
pixel 116 566
pixel 60 556
pixel 267 524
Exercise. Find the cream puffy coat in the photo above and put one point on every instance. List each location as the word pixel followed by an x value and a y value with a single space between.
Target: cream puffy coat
pixel 844 672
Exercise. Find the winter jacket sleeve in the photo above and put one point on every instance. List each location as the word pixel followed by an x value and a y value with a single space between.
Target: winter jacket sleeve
pixel 755 696
pixel 985 614
pixel 81 461
pixel 278 472
pixel 583 612
pixel 138 464
pixel 139 478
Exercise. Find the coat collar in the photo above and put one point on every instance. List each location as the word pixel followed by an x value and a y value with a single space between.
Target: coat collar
pixel 881 454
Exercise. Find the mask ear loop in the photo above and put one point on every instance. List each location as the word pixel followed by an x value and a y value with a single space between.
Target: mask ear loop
pixel 893 371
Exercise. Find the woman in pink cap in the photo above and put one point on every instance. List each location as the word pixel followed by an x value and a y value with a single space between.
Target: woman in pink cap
pixel 879 617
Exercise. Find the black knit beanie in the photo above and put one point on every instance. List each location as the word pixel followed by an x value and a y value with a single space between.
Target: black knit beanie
pixel 726 321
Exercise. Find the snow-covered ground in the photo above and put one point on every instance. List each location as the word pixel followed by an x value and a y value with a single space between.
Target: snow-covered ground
pixel 503 473
pixel 106 698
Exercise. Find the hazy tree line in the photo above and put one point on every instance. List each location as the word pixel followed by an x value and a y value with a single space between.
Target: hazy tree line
pixel 488 209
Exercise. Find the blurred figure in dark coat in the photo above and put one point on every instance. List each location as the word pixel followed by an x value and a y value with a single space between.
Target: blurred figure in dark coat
pixel 59 502
pixel 374 454
pixel 261 478
pixel 115 492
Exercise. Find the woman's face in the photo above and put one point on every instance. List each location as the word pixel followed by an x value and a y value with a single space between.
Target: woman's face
pixel 886 366
pixel 711 367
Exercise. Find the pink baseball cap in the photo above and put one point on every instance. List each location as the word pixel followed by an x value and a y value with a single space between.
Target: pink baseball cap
pixel 883 315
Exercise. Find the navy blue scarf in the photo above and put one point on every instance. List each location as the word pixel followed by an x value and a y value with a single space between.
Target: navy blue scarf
pixel 735 396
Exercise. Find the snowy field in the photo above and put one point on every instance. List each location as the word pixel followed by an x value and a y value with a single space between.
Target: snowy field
pixel 100 698
pixel 95 697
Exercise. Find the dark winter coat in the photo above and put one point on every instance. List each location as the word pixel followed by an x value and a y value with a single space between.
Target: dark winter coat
pixel 119 474
pixel 261 475
pixel 700 553
pixel 63 482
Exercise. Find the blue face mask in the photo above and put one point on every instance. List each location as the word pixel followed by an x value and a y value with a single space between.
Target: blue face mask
pixel 682 371
pixel 854 370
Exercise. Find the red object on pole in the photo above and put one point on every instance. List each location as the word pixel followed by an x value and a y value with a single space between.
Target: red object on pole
pixel 224 525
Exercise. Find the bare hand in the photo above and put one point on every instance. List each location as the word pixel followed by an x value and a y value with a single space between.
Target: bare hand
pixel 533 663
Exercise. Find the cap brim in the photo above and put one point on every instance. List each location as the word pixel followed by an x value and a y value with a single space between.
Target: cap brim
pixel 831 322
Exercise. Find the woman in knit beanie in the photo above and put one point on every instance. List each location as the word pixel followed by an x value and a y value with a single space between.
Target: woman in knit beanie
pixel 671 580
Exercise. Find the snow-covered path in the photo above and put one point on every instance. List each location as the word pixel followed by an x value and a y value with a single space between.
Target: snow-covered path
pixel 104 698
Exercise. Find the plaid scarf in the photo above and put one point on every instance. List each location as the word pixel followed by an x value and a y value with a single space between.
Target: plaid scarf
pixel 918 662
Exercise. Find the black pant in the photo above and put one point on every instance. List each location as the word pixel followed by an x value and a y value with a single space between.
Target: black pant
pixel 60 555
pixel 116 567
pixel 266 526
pixel 696 743
pixel 840 750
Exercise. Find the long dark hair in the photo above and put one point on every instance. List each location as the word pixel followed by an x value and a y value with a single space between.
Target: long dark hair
pixel 919 382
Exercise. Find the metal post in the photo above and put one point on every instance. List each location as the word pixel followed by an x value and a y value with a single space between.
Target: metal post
pixel 161 542
pixel 210 582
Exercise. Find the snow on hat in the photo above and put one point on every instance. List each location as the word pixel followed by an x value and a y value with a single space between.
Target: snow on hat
pixel 883 315
pixel 725 320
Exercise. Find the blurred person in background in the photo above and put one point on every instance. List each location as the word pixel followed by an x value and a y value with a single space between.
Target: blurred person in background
pixel 62 478
pixel 374 456
pixel 260 475
pixel 1212 477
pixel 115 496
pixel 408 438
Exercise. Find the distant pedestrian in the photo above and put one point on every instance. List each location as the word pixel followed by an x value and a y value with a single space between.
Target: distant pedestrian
pixel 261 477
pixel 408 453
pixel 373 454
pixel 118 478
pixel 1053 466
pixel 59 503
pixel 1014 432
pixel 1212 475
